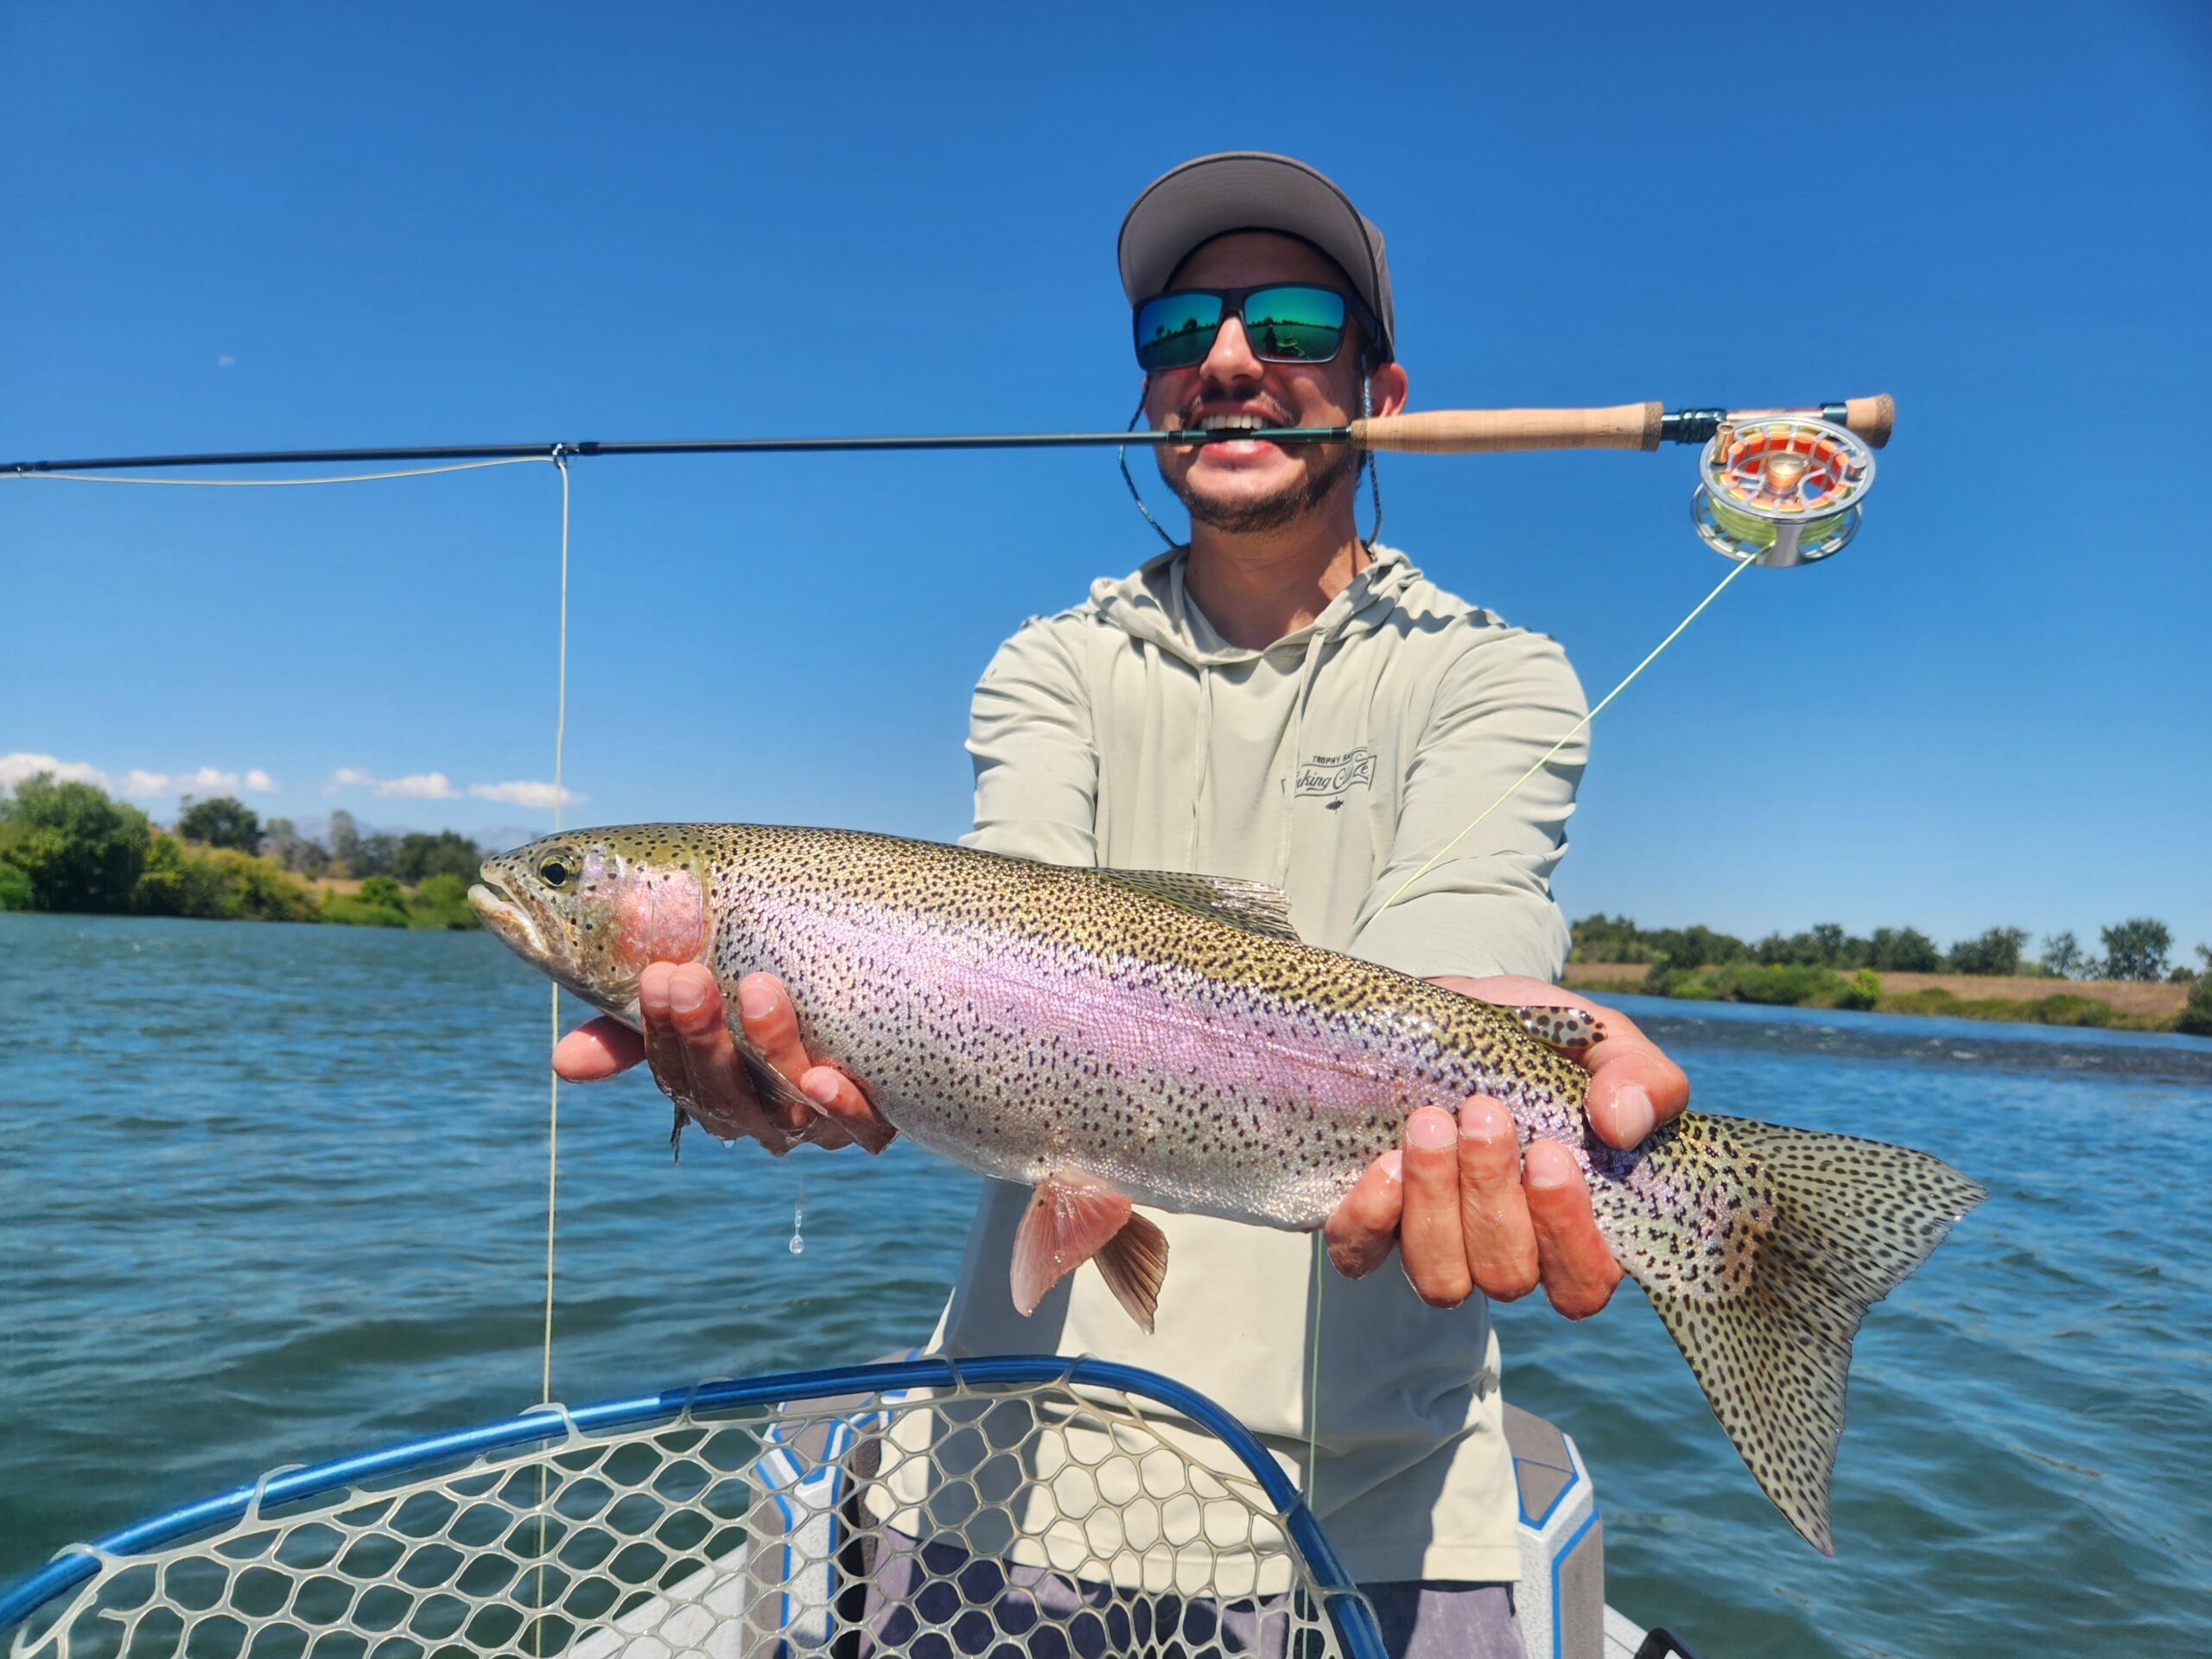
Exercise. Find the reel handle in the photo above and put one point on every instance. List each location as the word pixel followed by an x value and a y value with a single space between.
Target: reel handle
pixel 1490 431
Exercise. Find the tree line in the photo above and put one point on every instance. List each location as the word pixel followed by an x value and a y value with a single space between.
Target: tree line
pixel 2138 948
pixel 67 846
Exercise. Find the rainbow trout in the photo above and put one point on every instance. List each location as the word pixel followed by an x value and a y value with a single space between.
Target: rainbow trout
pixel 1114 1037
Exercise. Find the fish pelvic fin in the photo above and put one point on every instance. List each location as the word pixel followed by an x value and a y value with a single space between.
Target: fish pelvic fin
pixel 1072 1219
pixel 1762 1271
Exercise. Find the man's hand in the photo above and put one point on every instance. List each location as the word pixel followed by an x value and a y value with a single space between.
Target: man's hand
pixel 1469 1210
pixel 695 1061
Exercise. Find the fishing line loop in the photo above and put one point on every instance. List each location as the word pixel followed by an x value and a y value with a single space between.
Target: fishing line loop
pixel 1571 733
pixel 1121 455
pixel 286 483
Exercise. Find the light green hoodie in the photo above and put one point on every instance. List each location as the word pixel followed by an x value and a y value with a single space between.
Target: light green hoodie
pixel 1126 733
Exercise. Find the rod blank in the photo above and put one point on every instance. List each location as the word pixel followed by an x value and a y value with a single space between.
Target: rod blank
pixel 1436 431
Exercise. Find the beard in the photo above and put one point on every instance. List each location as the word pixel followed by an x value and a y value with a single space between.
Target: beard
pixel 1284 506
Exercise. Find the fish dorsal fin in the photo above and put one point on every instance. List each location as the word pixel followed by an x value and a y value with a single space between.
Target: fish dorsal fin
pixel 1253 906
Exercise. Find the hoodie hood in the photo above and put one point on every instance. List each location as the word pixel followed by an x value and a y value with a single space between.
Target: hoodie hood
pixel 1152 606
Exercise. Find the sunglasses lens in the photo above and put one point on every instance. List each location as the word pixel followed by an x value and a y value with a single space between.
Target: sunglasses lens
pixel 1294 325
pixel 1177 330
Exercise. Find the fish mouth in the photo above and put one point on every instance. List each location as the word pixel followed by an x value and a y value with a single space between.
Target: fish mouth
pixel 496 907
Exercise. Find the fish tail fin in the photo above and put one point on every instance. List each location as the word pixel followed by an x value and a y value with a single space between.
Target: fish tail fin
pixel 1764 1251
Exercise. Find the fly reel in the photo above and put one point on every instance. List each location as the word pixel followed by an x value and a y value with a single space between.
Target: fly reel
pixel 1780 489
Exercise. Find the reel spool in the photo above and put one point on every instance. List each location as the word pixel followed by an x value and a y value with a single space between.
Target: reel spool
pixel 1780 489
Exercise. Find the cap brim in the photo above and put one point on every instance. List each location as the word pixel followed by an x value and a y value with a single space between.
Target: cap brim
pixel 1242 191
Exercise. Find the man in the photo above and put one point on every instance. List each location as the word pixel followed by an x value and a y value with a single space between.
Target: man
pixel 1281 701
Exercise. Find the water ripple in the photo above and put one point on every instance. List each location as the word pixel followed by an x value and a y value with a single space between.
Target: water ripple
pixel 271 1193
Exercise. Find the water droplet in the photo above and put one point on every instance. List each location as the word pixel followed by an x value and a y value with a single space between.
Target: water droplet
pixel 798 1219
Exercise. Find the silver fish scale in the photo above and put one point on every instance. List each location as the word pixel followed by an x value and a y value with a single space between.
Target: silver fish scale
pixel 1021 1018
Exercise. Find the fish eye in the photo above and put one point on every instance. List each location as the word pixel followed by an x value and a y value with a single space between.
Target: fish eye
pixel 557 869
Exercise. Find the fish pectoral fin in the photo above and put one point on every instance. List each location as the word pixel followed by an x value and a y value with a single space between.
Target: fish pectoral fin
pixel 1072 1218
pixel 1253 906
pixel 1562 1028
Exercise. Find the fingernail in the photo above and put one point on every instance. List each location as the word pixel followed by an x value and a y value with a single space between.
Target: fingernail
pixel 1394 1164
pixel 684 996
pixel 1485 1119
pixel 1431 1130
pixel 755 1002
pixel 1633 1118
pixel 1548 1166
pixel 652 988
pixel 821 1087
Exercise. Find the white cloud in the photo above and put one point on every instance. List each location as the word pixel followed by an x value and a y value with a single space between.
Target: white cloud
pixel 144 786
pixel 22 766
pixel 418 786
pixel 227 361
pixel 523 793
pixel 138 783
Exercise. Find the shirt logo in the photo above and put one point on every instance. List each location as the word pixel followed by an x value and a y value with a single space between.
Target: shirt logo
pixel 1332 774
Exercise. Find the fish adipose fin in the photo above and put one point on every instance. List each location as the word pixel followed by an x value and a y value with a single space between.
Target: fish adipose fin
pixel 1253 906
pixel 1071 1219
pixel 1763 1272
pixel 1561 1027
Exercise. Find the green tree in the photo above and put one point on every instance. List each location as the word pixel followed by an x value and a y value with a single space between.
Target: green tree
pixel 77 850
pixel 221 821
pixel 1902 951
pixel 2061 954
pixel 1996 952
pixel 281 841
pixel 2136 949
pixel 447 853
pixel 15 891
pixel 2196 1017
pixel 376 854
pixel 1697 947
pixel 343 838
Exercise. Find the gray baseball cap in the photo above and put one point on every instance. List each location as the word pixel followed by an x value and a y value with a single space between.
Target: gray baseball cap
pixel 1251 190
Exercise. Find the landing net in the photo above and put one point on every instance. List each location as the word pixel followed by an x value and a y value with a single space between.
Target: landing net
pixel 1026 1505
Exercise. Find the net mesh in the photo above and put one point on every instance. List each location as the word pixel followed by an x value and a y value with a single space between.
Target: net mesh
pixel 1034 1518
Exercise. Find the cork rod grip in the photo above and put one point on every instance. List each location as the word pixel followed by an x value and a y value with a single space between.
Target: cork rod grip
pixel 1477 431
pixel 1873 418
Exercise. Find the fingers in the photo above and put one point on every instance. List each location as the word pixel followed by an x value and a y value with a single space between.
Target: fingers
pixel 1578 1268
pixel 1362 1231
pixel 771 1027
pixel 1500 1245
pixel 847 1111
pixel 687 1043
pixel 842 1113
pixel 1634 1087
pixel 596 1049
pixel 1429 1239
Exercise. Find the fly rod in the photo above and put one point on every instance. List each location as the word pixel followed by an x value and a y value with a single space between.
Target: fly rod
pixel 1436 431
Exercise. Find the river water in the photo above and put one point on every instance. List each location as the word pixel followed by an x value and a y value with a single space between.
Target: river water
pixel 272 1194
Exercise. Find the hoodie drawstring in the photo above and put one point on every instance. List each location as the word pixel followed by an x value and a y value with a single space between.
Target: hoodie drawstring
pixel 1312 671
pixel 1198 778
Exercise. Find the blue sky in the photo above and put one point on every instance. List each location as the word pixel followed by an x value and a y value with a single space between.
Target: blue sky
pixel 291 226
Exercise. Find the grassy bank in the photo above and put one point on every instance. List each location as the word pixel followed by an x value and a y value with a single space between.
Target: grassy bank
pixel 2121 1005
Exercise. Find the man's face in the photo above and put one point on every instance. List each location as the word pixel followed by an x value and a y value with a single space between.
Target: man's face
pixel 1247 486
